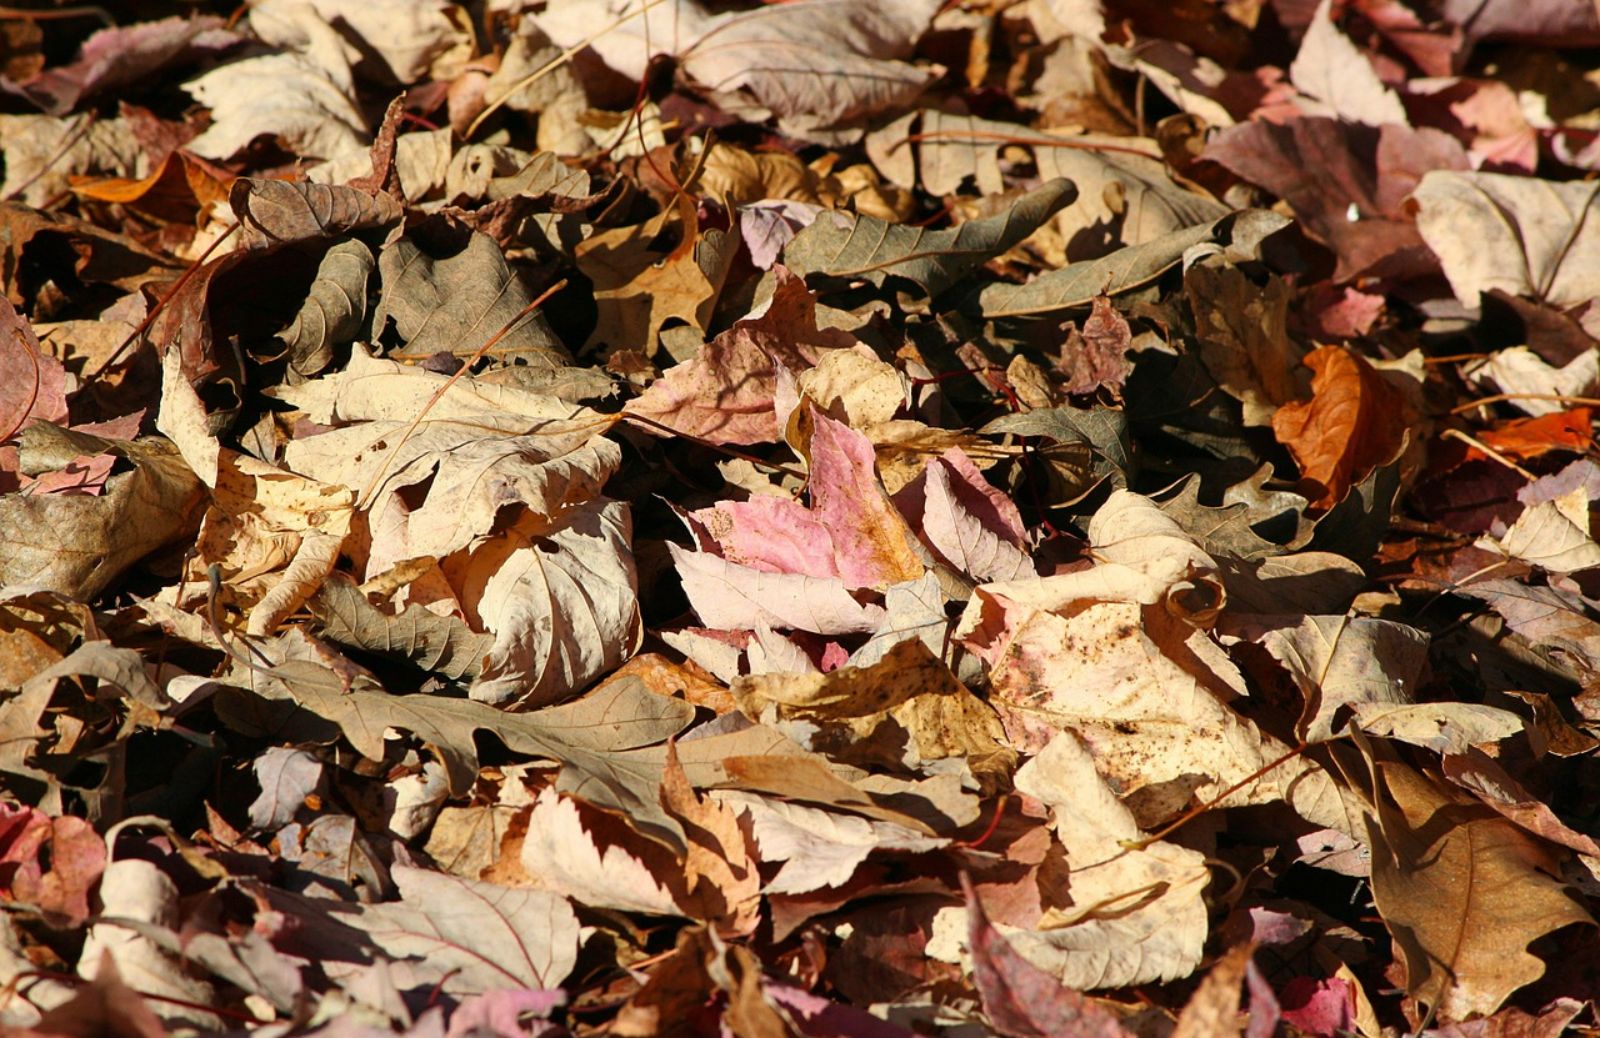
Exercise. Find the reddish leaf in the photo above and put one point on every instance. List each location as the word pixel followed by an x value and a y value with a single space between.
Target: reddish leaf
pixel 1347 183
pixel 48 862
pixel 1020 999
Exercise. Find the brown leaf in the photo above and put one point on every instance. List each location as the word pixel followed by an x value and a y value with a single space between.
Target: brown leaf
pixel 1097 355
pixel 725 393
pixel 639 288
pixel 1213 1010
pixel 453 297
pixel 1354 422
pixel 276 212
pixel 1372 169
pixel 721 882
pixel 1463 892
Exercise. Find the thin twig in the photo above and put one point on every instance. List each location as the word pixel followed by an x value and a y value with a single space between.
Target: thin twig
pixel 161 304
pixel 1581 401
pixel 1474 442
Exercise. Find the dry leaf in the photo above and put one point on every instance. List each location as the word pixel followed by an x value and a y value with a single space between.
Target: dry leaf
pixel 1464 892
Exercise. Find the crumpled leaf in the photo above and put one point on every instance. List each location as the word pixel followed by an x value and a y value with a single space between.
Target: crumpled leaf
pixel 1553 535
pixel 305 96
pixel 1244 338
pixel 1342 662
pixel 1354 422
pixel 1136 914
pixel 455 301
pixel 819 848
pixel 726 392
pixel 79 545
pixel 639 289
pixel 286 777
pixel 272 212
pixel 439 644
pixel 1021 1000
pixel 334 310
pixel 49 863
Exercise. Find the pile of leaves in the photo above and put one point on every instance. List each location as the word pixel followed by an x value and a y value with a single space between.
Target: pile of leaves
pixel 634 517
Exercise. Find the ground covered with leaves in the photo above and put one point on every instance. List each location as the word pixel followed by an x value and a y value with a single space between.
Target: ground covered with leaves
pixel 847 519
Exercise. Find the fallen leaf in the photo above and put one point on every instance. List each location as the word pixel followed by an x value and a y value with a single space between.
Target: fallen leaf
pixel 1527 237
pixel 1021 1000
pixel 1464 892
pixel 776 55
pixel 1354 422
pixel 840 247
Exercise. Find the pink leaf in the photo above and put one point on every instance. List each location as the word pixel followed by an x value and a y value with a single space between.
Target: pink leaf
pixel 1020 999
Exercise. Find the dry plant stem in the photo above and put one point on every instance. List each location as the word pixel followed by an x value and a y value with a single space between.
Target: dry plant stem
pixel 33 396
pixel 563 58
pixel 1474 442
pixel 365 500
pixel 59 14
pixel 1200 809
pixel 214 619
pixel 161 304
pixel 1006 138
pixel 651 423
pixel 1561 398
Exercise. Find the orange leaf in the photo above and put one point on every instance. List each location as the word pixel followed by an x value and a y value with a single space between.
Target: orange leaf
pixel 1354 422
pixel 179 189
pixel 1531 437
